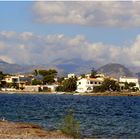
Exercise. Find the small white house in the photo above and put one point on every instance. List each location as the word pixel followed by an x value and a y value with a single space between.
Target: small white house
pixel 71 75
pixel 130 80
pixel 32 88
pixel 52 87
pixel 12 79
pixel 87 84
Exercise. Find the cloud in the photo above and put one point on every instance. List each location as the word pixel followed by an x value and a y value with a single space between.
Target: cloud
pixel 91 13
pixel 29 48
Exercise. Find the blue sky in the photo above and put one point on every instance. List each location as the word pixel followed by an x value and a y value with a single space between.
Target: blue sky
pixel 18 16
pixel 108 31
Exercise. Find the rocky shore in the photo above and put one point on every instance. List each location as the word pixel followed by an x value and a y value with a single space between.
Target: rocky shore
pixel 12 130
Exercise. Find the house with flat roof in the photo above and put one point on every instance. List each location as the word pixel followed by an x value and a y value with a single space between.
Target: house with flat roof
pixel 130 80
pixel 88 84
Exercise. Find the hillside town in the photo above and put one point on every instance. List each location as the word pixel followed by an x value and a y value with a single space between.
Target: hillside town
pixel 48 81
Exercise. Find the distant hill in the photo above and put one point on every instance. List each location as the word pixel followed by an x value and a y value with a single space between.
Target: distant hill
pixel 138 74
pixel 77 66
pixel 115 70
pixel 16 68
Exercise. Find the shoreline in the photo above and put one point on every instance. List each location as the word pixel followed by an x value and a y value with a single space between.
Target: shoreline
pixel 73 93
pixel 19 130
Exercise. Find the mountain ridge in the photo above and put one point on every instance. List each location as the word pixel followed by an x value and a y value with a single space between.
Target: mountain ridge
pixel 69 66
pixel 116 70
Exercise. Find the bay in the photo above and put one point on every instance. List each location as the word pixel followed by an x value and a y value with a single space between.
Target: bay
pixel 99 116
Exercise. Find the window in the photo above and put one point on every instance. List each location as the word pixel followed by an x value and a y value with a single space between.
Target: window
pixel 95 82
pixel 91 82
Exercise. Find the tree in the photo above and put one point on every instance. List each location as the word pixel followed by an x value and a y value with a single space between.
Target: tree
pixel 49 79
pixel 69 85
pixel 1 75
pixel 35 72
pixel 70 126
pixel 48 75
pixel 60 79
pixel 93 73
pixel 130 86
pixel 47 72
pixel 36 82
pixel 107 85
pixel 60 88
pixel 110 85
pixel 83 75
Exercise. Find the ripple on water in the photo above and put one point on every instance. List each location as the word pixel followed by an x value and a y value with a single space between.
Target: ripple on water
pixel 100 117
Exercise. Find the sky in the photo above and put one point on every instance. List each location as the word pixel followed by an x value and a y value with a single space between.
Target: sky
pixel 41 32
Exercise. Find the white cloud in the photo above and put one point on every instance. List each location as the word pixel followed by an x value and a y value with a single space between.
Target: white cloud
pixel 26 35
pixel 35 49
pixel 93 13
pixel 7 34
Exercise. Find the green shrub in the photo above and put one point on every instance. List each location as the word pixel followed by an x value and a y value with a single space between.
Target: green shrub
pixel 60 88
pixel 70 126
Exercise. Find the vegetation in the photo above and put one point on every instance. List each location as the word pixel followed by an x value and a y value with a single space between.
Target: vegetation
pixel 49 79
pixel 68 85
pixel 70 126
pixel 48 75
pixel 93 73
pixel 12 85
pixel 60 88
pixel 107 85
pixel 130 86
pixel 35 72
pixel 1 75
pixel 47 72
pixel 83 75
pixel 60 79
pixel 36 82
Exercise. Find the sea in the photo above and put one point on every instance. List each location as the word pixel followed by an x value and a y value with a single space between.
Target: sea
pixel 99 116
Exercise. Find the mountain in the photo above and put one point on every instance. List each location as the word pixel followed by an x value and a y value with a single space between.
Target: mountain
pixel 115 70
pixel 77 66
pixel 63 67
pixel 3 62
pixel 16 68
pixel 138 74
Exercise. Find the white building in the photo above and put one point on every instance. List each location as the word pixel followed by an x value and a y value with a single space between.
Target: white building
pixel 87 84
pixel 71 75
pixel 32 88
pixel 130 80
pixel 52 87
pixel 12 79
pixel 88 75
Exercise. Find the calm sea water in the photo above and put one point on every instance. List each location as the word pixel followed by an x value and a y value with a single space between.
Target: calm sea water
pixel 100 117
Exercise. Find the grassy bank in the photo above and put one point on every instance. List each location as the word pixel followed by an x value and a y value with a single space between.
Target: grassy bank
pixel 12 130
